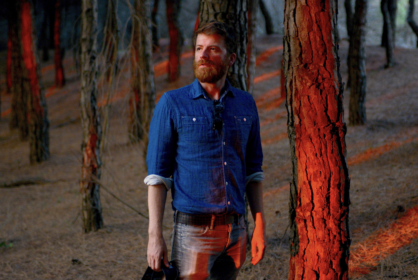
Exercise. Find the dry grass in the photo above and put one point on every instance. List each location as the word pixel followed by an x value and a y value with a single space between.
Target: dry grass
pixel 41 227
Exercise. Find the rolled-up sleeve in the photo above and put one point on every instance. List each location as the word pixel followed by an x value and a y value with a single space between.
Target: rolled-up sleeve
pixel 162 140
pixel 254 158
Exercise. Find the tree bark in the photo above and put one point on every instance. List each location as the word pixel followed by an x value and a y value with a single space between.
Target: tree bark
pixel 59 69
pixel 349 24
pixel 234 14
pixel 9 56
pixel 142 101
pixel 38 116
pixel 267 17
pixel 392 8
pixel 387 42
pixel 111 41
pixel 319 191
pixel 155 21
pixel 251 55
pixel 357 109
pixel 410 18
pixel 176 39
pixel 90 121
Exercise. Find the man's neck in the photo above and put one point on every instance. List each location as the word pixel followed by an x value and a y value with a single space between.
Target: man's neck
pixel 214 90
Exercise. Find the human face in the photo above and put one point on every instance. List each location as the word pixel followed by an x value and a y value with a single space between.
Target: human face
pixel 211 61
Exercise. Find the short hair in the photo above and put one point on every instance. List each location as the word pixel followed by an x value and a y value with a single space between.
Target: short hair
pixel 220 28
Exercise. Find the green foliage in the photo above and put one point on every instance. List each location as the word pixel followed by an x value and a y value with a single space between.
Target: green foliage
pixel 5 244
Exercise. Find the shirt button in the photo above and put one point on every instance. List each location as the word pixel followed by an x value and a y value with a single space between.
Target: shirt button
pixel 229 202
pixel 224 143
pixel 227 183
pixel 225 163
pixel 245 119
pixel 194 119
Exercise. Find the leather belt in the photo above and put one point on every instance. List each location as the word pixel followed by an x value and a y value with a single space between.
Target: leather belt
pixel 205 220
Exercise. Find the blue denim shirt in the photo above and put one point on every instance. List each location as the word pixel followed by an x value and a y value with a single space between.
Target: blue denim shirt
pixel 208 167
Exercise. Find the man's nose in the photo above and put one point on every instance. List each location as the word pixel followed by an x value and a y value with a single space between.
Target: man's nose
pixel 204 53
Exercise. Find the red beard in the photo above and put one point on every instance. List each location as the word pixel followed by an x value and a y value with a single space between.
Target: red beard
pixel 212 73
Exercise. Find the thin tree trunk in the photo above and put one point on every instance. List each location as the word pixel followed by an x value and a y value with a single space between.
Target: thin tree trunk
pixel 319 195
pixel 388 38
pixel 9 56
pixel 391 6
pixel 59 69
pixel 176 39
pixel 410 18
pixel 155 21
pixel 349 24
pixel 39 124
pixel 357 109
pixel 142 101
pixel 251 55
pixel 90 121
pixel 234 14
pixel 111 40
pixel 267 17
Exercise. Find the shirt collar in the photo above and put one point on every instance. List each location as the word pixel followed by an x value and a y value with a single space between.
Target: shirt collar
pixel 198 91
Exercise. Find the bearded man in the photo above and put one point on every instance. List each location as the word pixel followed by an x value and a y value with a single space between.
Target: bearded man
pixel 204 146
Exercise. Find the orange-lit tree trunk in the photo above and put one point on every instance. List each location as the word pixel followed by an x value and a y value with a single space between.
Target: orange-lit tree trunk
pixel 142 101
pixel 90 121
pixel 319 191
pixel 234 14
pixel 38 117
pixel 59 69
pixel 176 39
pixel 410 18
pixel 155 21
pixel 357 69
pixel 111 40
pixel 251 55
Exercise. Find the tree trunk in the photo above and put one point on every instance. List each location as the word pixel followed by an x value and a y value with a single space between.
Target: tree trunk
pixel 319 191
pixel 357 69
pixel 59 69
pixel 349 24
pixel 9 56
pixel 251 55
pixel 387 33
pixel 176 39
pixel 142 101
pixel 410 18
pixel 392 9
pixel 38 116
pixel 234 14
pixel 155 21
pixel 90 121
pixel 111 40
pixel 267 17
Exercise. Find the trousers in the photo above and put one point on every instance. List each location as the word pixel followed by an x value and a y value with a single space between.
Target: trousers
pixel 213 254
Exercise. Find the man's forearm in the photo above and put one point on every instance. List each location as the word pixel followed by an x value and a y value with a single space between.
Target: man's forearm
pixel 157 195
pixel 255 198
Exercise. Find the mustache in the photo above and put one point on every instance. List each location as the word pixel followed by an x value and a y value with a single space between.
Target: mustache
pixel 203 61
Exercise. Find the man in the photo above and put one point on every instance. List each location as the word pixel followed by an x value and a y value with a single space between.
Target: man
pixel 206 137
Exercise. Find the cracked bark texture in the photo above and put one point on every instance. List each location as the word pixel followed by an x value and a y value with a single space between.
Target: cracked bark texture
pixel 90 121
pixel 234 14
pixel 319 193
pixel 38 115
pixel 142 101
pixel 357 54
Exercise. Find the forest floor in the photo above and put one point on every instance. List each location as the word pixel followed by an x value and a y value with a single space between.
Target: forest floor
pixel 40 224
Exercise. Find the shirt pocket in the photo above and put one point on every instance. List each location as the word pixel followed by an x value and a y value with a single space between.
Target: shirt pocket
pixel 244 128
pixel 195 129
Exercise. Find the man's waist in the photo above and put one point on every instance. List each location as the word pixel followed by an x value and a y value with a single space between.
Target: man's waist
pixel 206 219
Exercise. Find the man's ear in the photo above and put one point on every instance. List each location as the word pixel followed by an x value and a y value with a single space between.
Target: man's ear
pixel 232 59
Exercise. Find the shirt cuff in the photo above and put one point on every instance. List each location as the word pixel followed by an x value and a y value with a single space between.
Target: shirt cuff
pixel 255 177
pixel 152 180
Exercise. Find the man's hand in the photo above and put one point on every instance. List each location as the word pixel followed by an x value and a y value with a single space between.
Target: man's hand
pixel 258 240
pixel 157 250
